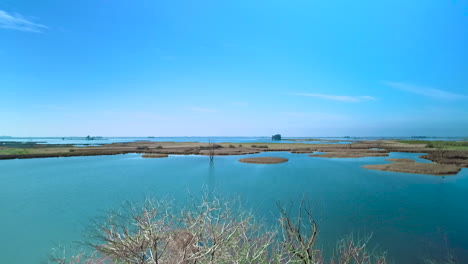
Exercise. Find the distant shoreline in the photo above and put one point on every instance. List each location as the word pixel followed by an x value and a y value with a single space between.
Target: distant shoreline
pixel 455 157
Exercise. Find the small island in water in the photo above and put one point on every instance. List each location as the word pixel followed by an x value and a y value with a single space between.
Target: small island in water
pixel 448 157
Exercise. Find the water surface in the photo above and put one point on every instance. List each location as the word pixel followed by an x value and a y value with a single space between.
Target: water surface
pixel 51 200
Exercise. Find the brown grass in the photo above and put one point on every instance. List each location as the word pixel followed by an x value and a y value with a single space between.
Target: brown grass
pixel 264 160
pixel 417 168
pixel 154 156
pixel 351 154
pixel 356 150
pixel 400 160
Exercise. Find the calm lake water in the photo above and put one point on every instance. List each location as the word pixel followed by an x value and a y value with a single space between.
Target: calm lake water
pixel 82 141
pixel 44 202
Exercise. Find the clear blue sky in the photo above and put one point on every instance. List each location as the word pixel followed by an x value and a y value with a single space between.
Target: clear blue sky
pixel 233 68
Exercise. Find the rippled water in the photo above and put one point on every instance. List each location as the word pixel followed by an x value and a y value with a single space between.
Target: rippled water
pixel 47 201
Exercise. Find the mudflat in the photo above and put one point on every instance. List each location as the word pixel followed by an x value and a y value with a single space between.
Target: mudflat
pixel 154 156
pixel 417 168
pixel 400 160
pixel 264 160
pixel 346 153
pixel 447 154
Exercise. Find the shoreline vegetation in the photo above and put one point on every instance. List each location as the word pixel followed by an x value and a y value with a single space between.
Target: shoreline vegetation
pixel 211 231
pixel 442 153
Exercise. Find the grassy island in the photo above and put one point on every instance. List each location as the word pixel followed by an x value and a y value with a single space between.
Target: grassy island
pixel 264 160
pixel 446 153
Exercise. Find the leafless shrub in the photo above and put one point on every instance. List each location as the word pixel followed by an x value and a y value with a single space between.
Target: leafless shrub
pixel 299 238
pixel 351 251
pixel 212 231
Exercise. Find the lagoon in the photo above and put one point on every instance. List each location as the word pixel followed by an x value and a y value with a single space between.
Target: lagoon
pixel 50 201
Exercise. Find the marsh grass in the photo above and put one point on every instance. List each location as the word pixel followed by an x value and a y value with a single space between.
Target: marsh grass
pixel 445 145
pixel 14 151
pixel 259 146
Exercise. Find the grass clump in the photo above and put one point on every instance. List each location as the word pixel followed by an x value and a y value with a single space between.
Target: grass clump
pixel 259 146
pixel 14 151
pixel 143 148
pixel 447 145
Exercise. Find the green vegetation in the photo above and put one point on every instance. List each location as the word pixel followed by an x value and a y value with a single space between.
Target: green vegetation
pixel 445 145
pixel 276 137
pixel 14 151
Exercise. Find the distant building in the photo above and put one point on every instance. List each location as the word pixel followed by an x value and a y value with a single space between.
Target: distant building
pixel 276 137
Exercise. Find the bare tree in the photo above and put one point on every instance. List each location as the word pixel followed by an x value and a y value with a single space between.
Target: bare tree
pixel 212 231
pixel 299 243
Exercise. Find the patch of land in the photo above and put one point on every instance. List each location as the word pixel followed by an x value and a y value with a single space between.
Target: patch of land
pixel 264 160
pixel 302 151
pixel 400 160
pixel 444 145
pixel 154 156
pixel 455 157
pixel 417 168
pixel 442 152
pixel 313 139
pixel 443 155
pixel 347 153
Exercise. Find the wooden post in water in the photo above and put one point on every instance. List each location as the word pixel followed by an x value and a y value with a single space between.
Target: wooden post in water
pixel 211 146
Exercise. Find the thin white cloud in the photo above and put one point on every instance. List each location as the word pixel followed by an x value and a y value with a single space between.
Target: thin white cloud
pixel 203 110
pixel 341 98
pixel 425 91
pixel 16 21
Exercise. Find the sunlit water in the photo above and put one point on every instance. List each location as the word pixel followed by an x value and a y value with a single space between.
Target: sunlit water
pixel 83 141
pixel 49 201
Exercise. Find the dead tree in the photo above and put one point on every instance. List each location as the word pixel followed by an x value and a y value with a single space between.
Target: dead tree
pixel 212 151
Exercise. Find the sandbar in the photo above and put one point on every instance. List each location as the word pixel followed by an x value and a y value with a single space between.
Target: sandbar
pixel 400 160
pixel 154 156
pixel 417 168
pixel 264 160
pixel 350 154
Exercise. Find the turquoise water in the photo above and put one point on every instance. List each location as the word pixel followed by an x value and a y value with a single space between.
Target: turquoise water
pixel 82 141
pixel 48 201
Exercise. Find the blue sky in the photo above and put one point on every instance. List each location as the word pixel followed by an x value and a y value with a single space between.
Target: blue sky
pixel 233 68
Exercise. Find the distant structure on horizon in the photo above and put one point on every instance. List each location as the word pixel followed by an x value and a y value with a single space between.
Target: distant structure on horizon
pixel 276 137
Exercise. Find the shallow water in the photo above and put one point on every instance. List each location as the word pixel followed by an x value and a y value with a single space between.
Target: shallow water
pixel 82 141
pixel 48 201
